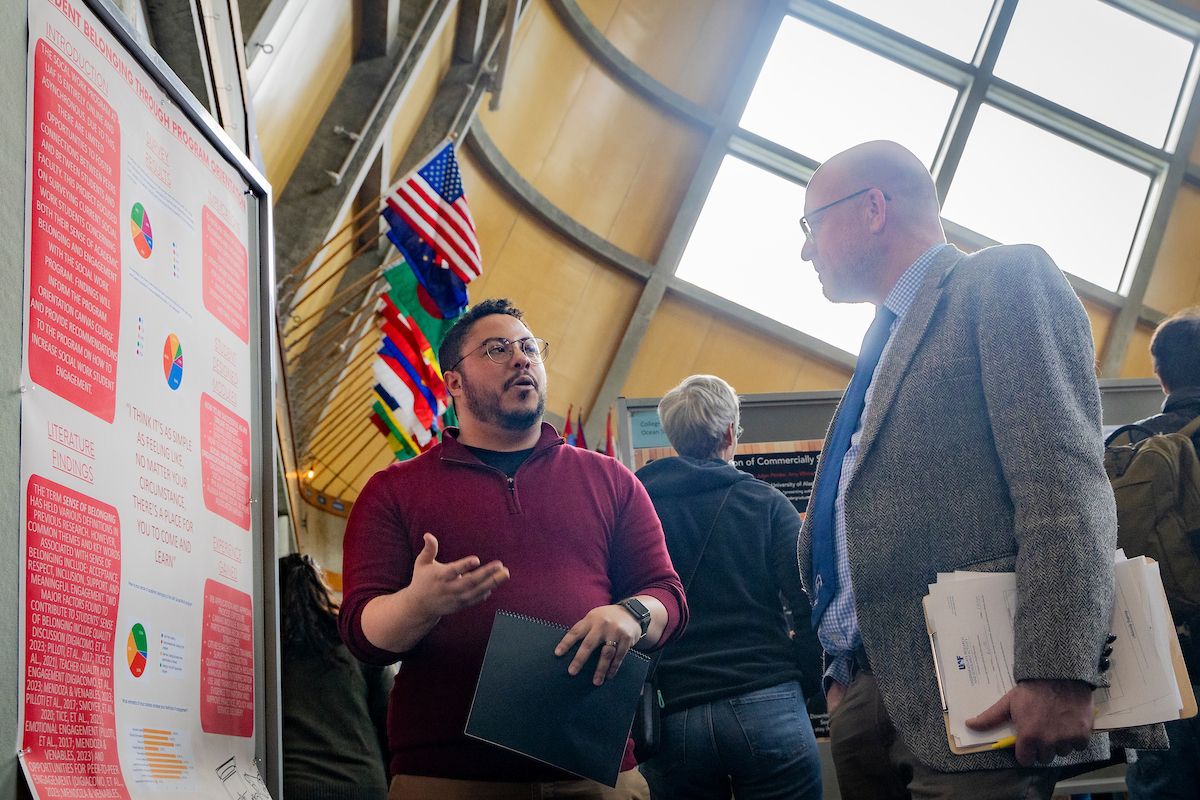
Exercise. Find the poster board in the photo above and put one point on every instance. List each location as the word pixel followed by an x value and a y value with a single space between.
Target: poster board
pixel 146 442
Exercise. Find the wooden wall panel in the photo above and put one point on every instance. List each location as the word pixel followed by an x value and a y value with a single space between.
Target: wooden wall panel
pixel 292 87
pixel 1101 318
pixel 544 74
pixel 1137 358
pixel 602 154
pixel 685 339
pixel 1175 282
pixel 420 97
pixel 694 48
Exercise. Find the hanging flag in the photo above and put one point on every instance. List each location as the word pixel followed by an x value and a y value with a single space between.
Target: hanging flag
pixel 579 427
pixel 406 293
pixel 431 225
pixel 424 405
pixel 405 402
pixel 610 444
pixel 567 432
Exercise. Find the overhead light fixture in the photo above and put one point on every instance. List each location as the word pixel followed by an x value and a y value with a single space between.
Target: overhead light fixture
pixel 311 473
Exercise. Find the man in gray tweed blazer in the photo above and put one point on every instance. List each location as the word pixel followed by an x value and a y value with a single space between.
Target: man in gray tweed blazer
pixel 979 448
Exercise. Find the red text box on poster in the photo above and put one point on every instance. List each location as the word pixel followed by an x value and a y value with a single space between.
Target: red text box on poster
pixel 72 583
pixel 225 462
pixel 227 661
pixel 226 292
pixel 75 254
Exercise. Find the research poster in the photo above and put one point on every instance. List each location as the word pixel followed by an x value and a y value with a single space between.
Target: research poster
pixel 138 611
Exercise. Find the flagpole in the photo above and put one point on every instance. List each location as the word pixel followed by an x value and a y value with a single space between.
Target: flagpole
pixel 349 441
pixel 323 417
pixel 306 401
pixel 320 341
pixel 350 483
pixel 372 206
pixel 294 305
pixel 336 302
pixel 334 411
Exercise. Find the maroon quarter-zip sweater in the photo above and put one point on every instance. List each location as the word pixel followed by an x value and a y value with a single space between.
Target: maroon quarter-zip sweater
pixel 576 531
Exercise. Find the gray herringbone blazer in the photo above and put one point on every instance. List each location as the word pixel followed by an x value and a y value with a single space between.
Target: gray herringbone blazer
pixel 982 450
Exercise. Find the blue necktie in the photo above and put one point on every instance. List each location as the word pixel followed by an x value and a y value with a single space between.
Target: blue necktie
pixel 825 494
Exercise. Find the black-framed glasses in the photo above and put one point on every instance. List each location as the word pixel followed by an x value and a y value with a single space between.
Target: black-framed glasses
pixel 501 351
pixel 806 225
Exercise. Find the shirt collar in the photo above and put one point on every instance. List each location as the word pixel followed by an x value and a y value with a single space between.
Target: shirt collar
pixel 904 292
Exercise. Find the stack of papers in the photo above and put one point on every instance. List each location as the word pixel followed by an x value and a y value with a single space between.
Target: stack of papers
pixel 970 617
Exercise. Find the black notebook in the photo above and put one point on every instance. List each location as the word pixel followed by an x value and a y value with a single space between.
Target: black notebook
pixel 527 702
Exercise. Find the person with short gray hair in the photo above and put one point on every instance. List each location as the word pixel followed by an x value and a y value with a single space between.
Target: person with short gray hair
pixel 696 414
pixel 733 685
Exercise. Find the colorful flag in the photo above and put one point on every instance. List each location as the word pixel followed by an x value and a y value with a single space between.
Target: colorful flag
pixel 431 225
pixel 567 433
pixel 579 427
pixel 610 444
pixel 405 402
pixel 406 293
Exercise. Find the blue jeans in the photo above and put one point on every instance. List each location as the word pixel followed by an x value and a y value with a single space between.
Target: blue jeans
pixel 1169 774
pixel 757 746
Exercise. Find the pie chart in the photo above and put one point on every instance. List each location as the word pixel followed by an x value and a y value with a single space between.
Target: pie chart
pixel 139 225
pixel 135 650
pixel 173 361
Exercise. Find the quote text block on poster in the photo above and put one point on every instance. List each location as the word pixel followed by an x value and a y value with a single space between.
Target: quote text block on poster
pixel 225 462
pixel 75 253
pixel 72 582
pixel 227 661
pixel 226 292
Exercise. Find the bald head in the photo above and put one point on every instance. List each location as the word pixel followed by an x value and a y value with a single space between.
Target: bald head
pixel 873 211
pixel 889 167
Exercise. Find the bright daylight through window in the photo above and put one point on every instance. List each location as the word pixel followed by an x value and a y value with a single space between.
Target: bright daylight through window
pixel 1063 147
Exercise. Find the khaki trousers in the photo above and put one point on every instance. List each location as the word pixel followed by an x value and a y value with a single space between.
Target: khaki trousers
pixel 873 763
pixel 630 786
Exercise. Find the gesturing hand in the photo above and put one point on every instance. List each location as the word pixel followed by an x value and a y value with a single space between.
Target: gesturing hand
pixel 440 589
pixel 611 628
pixel 1051 717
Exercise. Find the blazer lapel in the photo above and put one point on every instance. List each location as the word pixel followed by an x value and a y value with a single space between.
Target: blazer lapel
pixel 908 336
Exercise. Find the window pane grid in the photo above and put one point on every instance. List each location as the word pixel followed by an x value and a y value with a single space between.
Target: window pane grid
pixel 978 88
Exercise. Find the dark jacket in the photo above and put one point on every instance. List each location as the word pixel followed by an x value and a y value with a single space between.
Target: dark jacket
pixel 1181 407
pixel 334 727
pixel 737 638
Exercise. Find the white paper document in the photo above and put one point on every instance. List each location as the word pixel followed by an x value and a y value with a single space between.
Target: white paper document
pixel 971 629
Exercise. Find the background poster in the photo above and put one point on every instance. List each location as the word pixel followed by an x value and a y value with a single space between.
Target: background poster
pixel 135 447
pixel 788 466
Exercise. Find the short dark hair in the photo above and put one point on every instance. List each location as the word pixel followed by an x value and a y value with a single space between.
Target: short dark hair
pixel 1175 349
pixel 450 351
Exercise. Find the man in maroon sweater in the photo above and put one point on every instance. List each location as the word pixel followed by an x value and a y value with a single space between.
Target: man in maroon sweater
pixel 500 515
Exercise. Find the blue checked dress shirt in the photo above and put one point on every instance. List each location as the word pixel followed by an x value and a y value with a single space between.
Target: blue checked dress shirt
pixel 838 630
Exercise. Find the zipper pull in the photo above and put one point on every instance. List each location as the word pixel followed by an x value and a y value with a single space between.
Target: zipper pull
pixel 510 486
pixel 661 704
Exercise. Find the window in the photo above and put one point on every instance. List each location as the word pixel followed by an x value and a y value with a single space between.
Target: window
pixel 1064 143
pixel 746 248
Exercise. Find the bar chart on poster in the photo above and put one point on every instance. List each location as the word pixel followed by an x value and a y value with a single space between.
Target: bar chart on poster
pixel 136 580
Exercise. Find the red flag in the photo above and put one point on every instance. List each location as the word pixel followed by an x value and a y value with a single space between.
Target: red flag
pixel 610 446
pixel 581 442
pixel 570 437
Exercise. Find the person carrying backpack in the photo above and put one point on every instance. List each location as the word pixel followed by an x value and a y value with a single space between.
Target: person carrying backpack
pixel 1175 349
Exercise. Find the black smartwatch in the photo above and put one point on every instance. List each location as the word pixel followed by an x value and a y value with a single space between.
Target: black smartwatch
pixel 639 611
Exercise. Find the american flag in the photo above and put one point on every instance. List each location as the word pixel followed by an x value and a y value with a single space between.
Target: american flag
pixel 430 199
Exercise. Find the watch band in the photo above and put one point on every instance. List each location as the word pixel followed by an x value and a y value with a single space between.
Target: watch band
pixel 639 612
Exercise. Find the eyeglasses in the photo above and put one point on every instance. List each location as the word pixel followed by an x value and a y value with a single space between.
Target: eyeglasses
pixel 740 432
pixel 501 350
pixel 805 221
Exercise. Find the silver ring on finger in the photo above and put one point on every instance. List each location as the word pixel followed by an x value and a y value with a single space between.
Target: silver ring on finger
pixel 611 644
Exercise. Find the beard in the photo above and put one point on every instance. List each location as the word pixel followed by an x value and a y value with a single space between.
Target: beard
pixel 485 406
